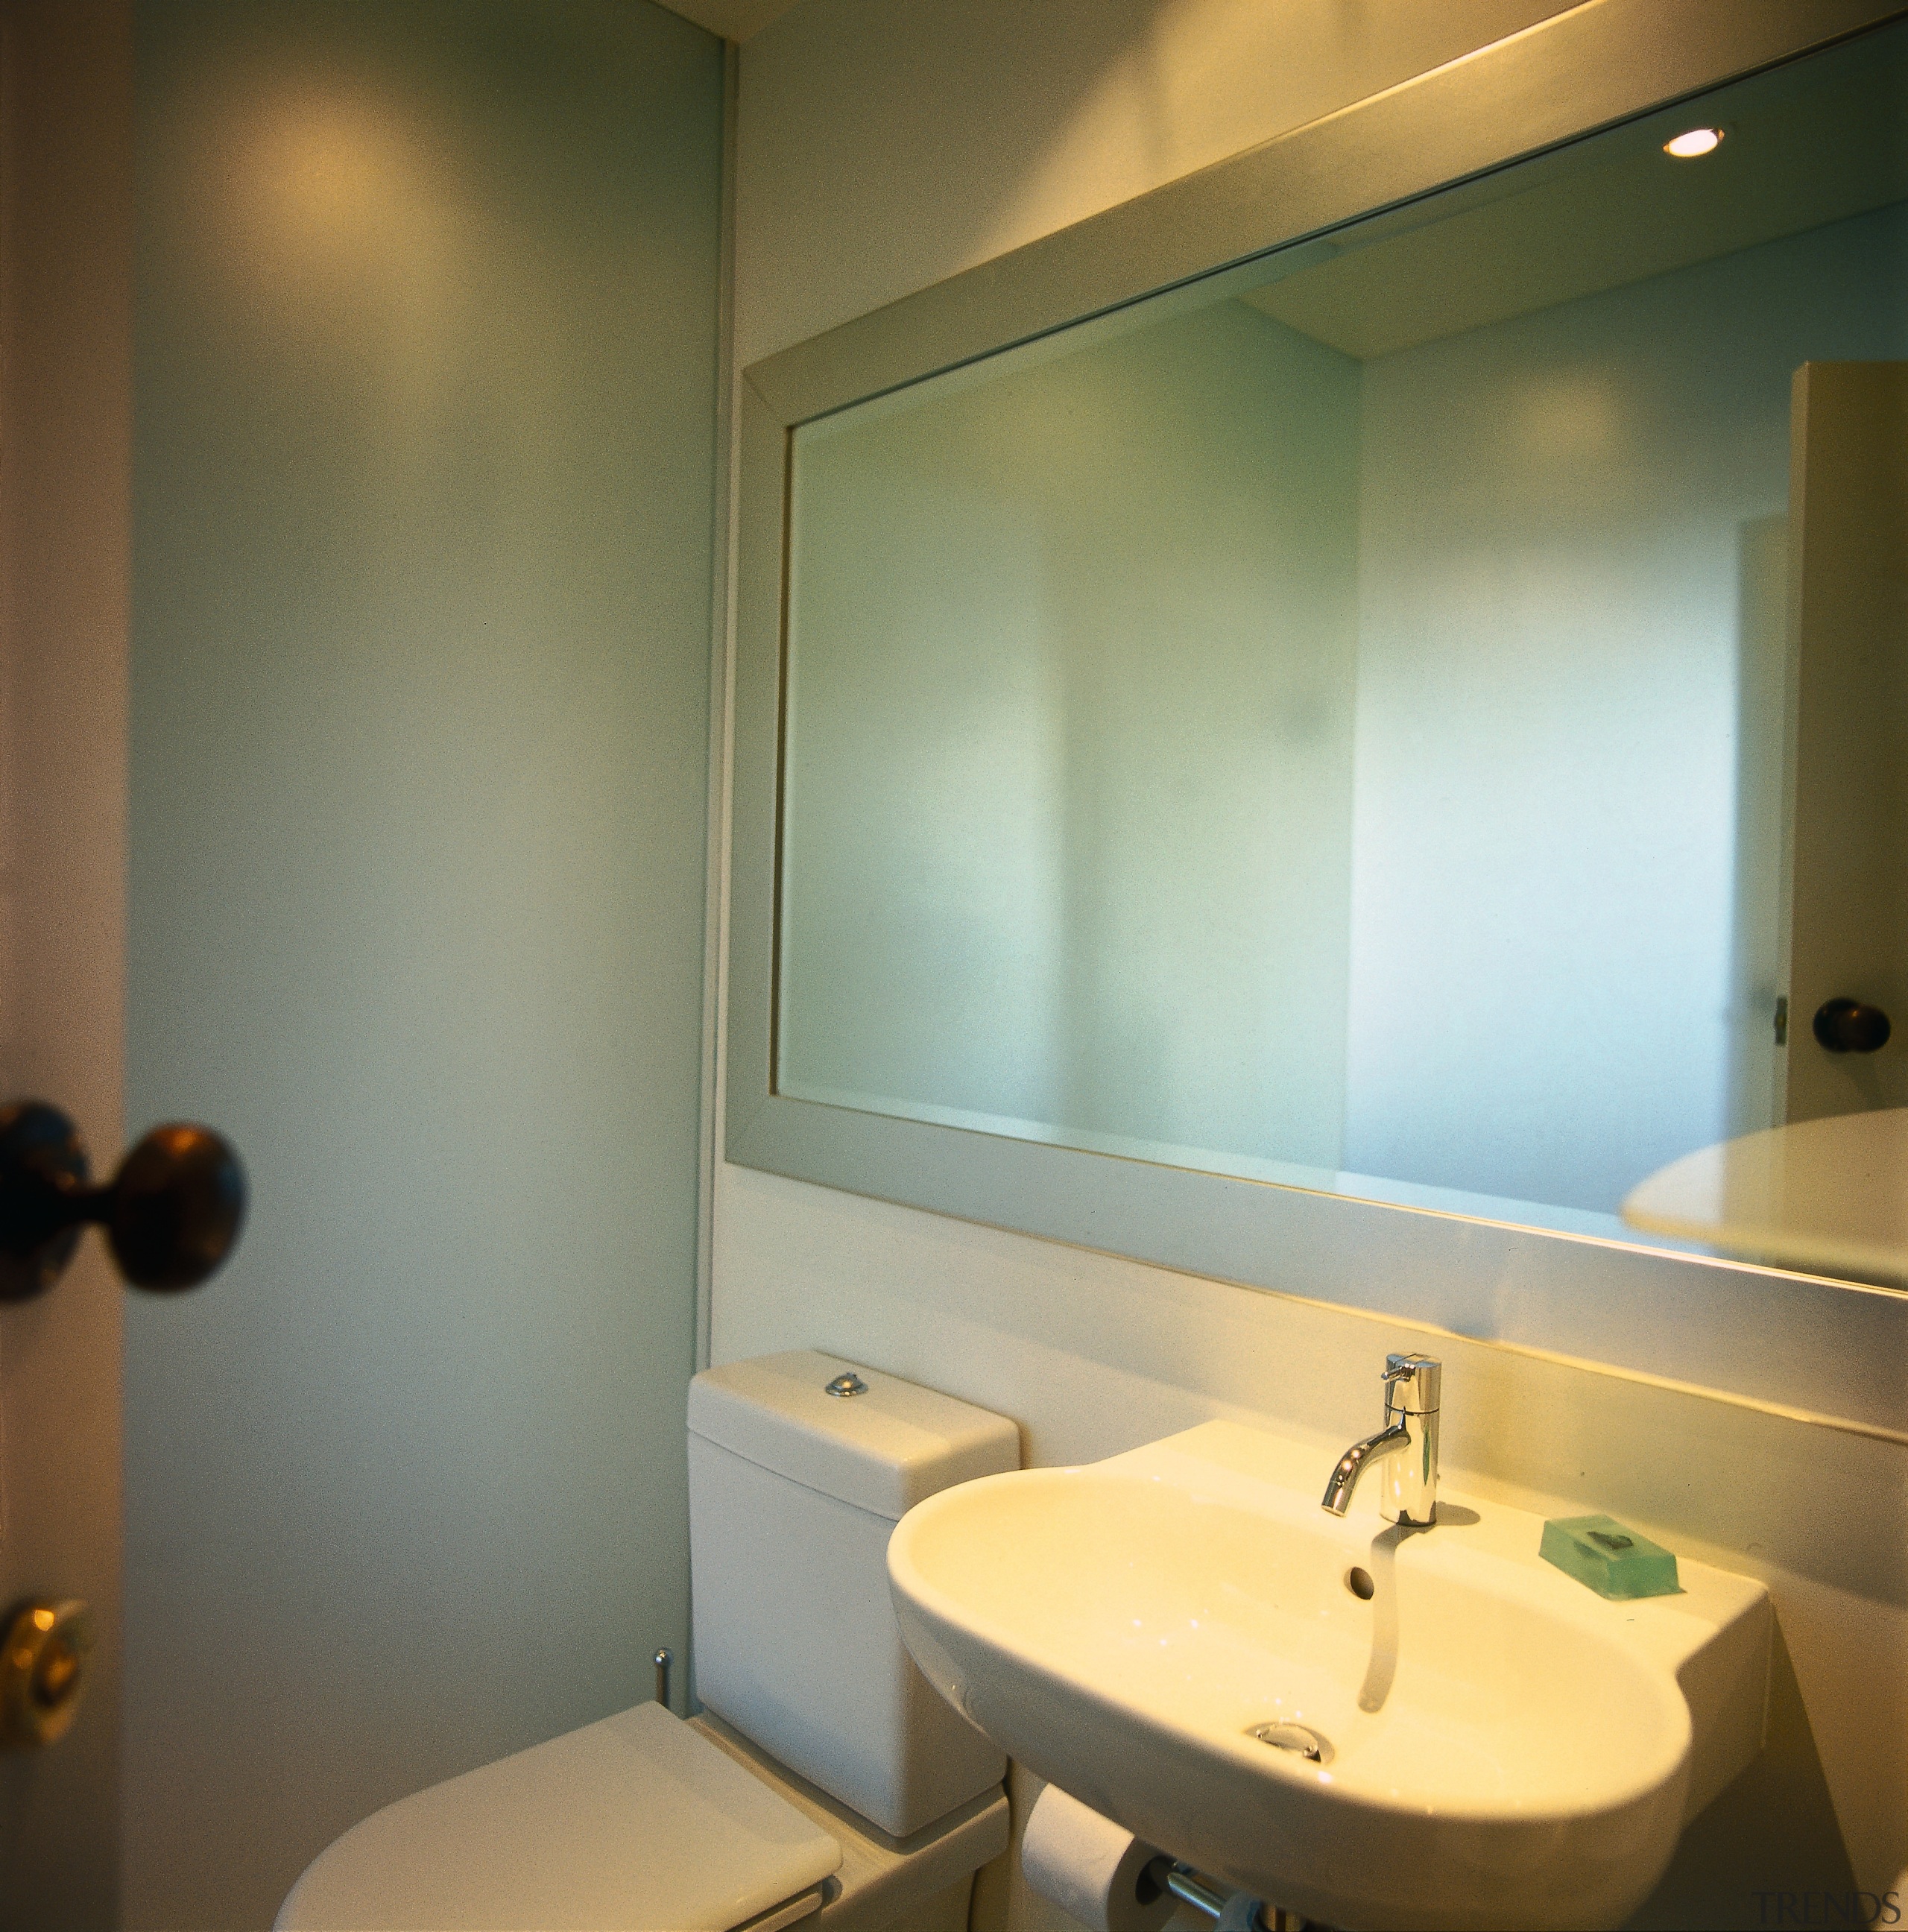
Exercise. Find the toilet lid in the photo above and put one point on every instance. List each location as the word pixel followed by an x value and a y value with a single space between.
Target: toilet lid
pixel 631 1825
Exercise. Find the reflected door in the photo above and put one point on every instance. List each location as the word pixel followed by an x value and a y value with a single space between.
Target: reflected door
pixel 1849 622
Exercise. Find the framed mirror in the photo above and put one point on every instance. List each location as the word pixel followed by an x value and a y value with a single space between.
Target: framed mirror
pixel 1267 723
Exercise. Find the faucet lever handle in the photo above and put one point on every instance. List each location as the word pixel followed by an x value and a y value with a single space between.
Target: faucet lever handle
pixel 1412 1385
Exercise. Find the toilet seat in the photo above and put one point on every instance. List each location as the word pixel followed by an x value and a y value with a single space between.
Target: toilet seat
pixel 635 1824
pixel 923 1883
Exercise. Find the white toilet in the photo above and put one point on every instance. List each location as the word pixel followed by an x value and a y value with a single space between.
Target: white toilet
pixel 825 1782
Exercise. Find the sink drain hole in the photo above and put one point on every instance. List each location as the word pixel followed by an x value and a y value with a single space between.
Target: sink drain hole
pixel 1300 1739
pixel 1359 1582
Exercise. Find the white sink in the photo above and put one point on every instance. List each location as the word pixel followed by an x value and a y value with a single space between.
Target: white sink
pixel 1502 1747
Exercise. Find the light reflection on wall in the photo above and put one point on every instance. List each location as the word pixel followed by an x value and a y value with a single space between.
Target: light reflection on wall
pixel 314 194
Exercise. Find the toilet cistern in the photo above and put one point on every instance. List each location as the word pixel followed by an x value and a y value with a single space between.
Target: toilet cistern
pixel 1408 1443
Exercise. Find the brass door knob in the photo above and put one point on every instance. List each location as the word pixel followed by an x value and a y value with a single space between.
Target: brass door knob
pixel 42 1672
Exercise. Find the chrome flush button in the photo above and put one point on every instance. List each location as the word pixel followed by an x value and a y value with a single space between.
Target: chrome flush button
pixel 847 1384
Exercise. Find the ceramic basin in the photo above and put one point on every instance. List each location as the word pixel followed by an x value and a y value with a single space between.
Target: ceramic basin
pixel 1501 1747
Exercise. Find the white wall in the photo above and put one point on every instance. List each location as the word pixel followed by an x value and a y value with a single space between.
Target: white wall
pixel 882 148
pixel 423 515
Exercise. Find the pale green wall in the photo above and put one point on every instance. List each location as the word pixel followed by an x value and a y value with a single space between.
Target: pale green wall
pixel 425 420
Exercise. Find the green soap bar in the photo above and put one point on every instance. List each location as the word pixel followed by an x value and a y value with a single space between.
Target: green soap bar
pixel 1614 1561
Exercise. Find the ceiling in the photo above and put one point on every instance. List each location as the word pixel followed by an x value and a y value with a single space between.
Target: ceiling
pixel 733 20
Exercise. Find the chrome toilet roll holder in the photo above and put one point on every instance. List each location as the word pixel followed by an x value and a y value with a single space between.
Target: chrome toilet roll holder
pixel 1235 1912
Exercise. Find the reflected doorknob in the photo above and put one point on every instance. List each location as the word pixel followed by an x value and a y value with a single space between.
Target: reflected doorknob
pixel 1849 1026
pixel 172 1214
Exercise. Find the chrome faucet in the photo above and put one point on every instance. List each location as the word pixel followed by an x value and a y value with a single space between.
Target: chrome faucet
pixel 1409 1443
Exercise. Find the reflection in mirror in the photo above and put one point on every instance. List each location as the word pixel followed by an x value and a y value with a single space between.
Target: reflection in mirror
pixel 1334 724
pixel 1827 1196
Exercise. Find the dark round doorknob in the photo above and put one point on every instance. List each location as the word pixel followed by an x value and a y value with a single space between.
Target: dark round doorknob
pixel 178 1200
pixel 172 1214
pixel 1849 1026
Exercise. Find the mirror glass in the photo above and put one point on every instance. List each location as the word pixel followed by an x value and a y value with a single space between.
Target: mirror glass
pixel 1333 723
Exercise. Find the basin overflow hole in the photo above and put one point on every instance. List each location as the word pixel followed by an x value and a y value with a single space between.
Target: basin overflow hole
pixel 1359 1582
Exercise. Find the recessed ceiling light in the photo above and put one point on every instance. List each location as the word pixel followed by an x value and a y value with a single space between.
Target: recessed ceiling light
pixel 1697 141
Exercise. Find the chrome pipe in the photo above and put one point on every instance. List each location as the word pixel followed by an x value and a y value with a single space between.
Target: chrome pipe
pixel 1182 1882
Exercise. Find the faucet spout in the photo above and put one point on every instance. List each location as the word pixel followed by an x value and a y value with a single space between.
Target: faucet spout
pixel 1350 1466
pixel 1412 1385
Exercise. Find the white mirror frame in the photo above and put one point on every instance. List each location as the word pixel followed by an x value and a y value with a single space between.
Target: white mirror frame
pixel 1799 1342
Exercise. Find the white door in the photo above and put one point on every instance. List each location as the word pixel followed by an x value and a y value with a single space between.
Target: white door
pixel 1849 624
pixel 65 308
